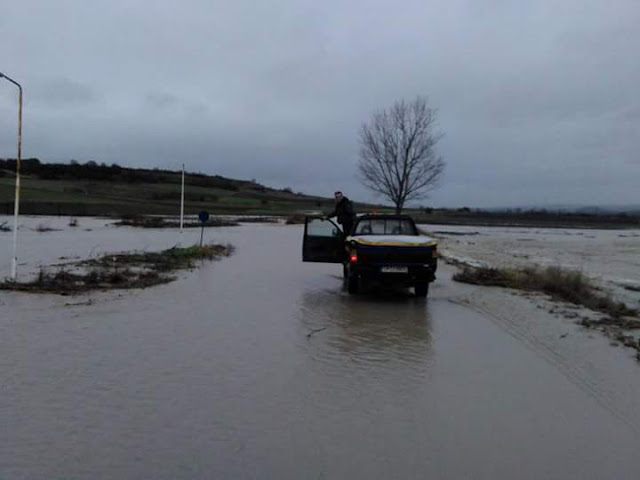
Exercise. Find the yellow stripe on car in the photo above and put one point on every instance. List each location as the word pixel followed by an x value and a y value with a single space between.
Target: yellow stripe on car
pixel 392 243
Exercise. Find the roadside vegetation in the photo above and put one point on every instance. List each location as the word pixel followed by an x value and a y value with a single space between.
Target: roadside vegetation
pixel 118 271
pixel 567 286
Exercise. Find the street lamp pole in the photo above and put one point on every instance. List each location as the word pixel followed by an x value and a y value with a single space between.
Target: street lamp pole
pixel 16 205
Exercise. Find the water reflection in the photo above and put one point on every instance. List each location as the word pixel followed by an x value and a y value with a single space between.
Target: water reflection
pixel 380 331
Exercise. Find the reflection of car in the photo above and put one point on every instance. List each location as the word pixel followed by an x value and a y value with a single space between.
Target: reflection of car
pixel 385 249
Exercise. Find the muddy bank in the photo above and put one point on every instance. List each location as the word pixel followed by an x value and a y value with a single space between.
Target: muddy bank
pixel 618 330
pixel 118 271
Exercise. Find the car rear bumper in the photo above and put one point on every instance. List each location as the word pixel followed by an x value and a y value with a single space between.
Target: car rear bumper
pixel 415 274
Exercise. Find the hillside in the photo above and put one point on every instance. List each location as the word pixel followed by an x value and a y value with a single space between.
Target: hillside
pixel 92 189
pixel 76 189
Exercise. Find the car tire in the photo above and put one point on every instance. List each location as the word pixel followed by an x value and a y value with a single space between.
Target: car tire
pixel 422 290
pixel 353 284
pixel 345 270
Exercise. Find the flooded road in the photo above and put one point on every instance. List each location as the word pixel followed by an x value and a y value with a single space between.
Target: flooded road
pixel 260 366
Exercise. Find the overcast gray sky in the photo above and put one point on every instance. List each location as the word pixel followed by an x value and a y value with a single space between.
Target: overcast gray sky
pixel 539 101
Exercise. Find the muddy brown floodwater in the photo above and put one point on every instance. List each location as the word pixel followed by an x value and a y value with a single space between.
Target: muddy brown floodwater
pixel 216 376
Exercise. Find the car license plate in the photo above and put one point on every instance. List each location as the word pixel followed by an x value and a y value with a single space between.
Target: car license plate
pixel 391 269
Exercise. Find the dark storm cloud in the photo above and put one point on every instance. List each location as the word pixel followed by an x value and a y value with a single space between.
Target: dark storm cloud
pixel 537 99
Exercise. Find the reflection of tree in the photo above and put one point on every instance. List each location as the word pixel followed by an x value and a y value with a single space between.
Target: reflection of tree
pixel 390 330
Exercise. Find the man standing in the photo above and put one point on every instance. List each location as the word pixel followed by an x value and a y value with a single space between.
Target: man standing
pixel 344 212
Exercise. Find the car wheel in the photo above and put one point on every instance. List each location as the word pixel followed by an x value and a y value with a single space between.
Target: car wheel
pixel 345 270
pixel 353 284
pixel 422 289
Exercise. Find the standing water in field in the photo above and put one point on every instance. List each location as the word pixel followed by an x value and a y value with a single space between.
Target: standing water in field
pixel 260 366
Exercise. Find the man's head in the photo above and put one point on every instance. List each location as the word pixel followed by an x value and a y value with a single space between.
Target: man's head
pixel 338 196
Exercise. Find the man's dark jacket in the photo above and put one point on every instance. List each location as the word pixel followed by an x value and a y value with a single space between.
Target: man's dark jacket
pixel 345 212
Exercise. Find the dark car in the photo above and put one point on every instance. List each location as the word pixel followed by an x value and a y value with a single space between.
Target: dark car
pixel 382 249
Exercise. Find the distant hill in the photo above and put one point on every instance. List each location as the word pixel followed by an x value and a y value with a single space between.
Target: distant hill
pixel 563 208
pixel 89 188
pixel 98 189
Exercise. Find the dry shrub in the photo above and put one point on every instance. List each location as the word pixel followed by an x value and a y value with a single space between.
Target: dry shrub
pixel 566 285
pixel 42 228
pixel 295 219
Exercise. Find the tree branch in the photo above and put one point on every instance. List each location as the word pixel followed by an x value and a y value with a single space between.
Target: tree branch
pixel 397 152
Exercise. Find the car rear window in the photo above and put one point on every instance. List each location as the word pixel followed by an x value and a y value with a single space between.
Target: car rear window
pixel 385 226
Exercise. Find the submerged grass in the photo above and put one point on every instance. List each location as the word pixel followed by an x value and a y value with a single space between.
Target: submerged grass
pixel 264 219
pixel 566 285
pixel 296 219
pixel 119 271
pixel 175 258
pixel 42 228
pixel 160 222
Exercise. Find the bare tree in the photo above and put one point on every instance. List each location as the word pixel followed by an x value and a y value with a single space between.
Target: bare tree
pixel 398 159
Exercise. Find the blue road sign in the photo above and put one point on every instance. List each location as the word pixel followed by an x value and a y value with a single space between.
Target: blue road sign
pixel 203 216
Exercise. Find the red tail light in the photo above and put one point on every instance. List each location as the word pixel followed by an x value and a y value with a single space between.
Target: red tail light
pixel 353 258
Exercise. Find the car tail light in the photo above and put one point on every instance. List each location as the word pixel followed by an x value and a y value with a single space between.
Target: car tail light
pixel 353 258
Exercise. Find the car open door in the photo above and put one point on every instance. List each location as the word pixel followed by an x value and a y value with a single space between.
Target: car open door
pixel 323 241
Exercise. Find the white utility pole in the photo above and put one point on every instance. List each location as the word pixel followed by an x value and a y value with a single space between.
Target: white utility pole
pixel 16 205
pixel 182 202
